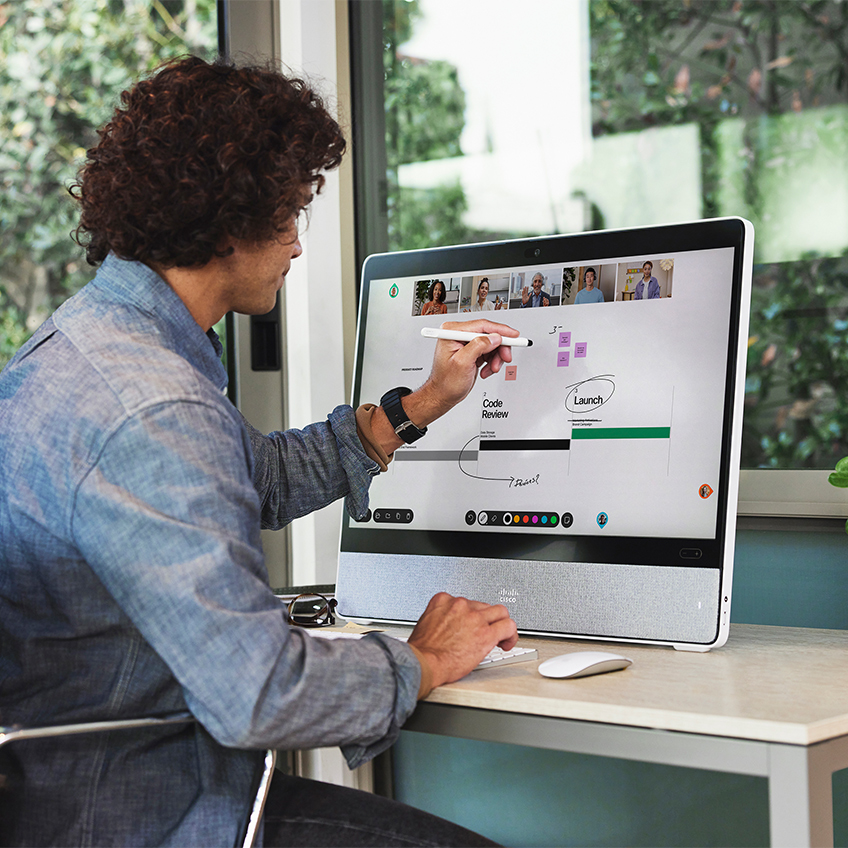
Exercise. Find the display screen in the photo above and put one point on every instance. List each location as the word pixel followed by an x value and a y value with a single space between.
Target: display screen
pixel 610 430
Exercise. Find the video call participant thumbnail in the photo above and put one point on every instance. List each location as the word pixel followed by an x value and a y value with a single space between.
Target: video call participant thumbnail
pixel 590 293
pixel 538 297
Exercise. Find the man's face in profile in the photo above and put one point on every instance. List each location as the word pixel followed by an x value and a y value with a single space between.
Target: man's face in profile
pixel 253 274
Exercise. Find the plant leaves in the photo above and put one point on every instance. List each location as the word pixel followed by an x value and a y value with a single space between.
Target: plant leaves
pixel 839 477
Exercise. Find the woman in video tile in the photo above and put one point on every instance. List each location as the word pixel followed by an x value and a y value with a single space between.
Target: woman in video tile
pixel 483 304
pixel 647 288
pixel 436 304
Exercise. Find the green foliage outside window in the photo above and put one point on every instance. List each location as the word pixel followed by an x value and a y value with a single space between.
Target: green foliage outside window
pixel 796 412
pixel 63 64
pixel 13 332
pixel 425 110
pixel 425 116
pixel 421 218
pixel 766 83
pixel 672 61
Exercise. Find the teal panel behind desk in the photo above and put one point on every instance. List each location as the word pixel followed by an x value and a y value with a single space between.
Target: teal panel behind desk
pixel 791 579
pixel 529 797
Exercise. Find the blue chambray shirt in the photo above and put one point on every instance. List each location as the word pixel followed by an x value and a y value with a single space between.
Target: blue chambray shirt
pixel 132 581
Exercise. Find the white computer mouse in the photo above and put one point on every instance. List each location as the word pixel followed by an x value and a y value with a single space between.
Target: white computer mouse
pixel 582 664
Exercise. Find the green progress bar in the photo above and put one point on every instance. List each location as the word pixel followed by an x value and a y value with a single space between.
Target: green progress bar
pixel 579 433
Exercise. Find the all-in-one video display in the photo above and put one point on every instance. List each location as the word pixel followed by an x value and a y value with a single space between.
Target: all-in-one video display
pixel 609 440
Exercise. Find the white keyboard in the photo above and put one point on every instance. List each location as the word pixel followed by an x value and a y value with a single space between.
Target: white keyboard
pixel 494 659
pixel 497 657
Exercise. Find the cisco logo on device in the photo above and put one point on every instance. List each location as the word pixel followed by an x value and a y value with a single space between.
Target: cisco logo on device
pixel 507 596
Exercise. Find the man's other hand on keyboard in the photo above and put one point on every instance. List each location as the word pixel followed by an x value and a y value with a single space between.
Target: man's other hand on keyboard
pixel 454 634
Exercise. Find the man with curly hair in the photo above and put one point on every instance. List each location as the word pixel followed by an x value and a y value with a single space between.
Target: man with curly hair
pixel 132 493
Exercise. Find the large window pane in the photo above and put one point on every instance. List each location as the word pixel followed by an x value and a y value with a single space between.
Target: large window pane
pixel 485 122
pixel 63 64
pixel 582 114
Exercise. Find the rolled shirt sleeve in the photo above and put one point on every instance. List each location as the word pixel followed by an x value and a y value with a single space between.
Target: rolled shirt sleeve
pixel 175 540
pixel 299 471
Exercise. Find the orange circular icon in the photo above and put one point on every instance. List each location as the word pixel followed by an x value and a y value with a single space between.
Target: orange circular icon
pixel 705 491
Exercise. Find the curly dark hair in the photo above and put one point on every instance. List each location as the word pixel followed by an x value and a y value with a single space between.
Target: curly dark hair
pixel 198 153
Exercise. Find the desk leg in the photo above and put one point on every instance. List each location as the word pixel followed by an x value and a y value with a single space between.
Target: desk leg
pixel 800 796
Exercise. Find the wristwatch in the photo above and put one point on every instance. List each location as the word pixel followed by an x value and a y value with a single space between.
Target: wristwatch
pixel 393 408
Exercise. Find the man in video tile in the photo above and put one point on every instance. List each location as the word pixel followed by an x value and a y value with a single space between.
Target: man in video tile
pixel 538 297
pixel 590 293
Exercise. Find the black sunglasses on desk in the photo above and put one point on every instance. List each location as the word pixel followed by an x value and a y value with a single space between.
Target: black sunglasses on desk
pixel 312 610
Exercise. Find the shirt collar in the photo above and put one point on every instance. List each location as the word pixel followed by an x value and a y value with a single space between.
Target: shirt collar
pixel 135 284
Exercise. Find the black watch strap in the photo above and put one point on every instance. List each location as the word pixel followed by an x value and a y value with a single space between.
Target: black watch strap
pixel 399 420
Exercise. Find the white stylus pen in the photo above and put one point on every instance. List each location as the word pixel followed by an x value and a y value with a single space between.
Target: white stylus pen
pixel 464 336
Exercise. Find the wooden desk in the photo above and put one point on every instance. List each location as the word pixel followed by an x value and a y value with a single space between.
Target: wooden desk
pixel 773 702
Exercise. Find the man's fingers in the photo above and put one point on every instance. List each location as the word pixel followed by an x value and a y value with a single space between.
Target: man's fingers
pixel 495 360
pixel 494 612
pixel 481 325
pixel 485 349
pixel 440 599
pixel 490 613
pixel 469 354
pixel 509 643
pixel 501 627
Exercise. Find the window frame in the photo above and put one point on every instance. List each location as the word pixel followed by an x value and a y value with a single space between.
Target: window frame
pixel 318 302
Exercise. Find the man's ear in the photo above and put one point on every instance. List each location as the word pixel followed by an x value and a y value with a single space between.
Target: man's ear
pixel 225 248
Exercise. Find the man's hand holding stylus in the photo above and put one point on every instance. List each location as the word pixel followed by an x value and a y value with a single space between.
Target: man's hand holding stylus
pixel 454 372
pixel 456 364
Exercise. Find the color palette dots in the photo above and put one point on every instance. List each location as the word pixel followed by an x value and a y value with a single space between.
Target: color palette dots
pixel 539 520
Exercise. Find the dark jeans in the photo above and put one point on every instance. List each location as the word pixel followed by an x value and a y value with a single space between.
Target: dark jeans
pixel 307 813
